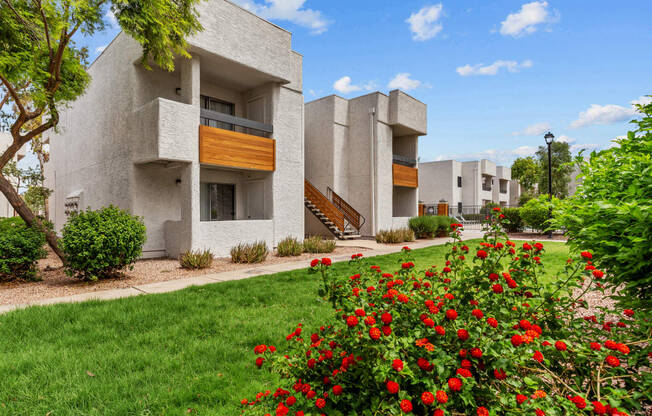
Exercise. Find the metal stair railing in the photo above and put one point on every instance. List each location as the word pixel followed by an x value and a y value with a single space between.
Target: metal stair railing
pixel 351 215
pixel 324 205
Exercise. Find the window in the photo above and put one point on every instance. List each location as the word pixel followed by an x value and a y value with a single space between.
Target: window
pixel 459 206
pixel 217 202
pixel 459 181
pixel 219 106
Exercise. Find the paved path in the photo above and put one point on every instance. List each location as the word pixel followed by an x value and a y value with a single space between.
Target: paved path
pixel 372 249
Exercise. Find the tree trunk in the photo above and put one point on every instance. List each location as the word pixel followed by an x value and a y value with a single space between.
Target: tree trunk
pixel 27 215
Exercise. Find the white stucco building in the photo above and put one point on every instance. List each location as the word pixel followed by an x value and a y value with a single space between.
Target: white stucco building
pixel 210 155
pixel 464 184
pixel 361 153
pixel 6 210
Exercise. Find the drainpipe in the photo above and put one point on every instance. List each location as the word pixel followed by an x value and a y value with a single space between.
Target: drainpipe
pixel 372 169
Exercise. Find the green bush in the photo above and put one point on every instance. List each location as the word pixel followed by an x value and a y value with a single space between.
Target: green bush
pixel 20 247
pixel 513 222
pixel 317 244
pixel 611 212
pixel 196 259
pixel 429 226
pixel 536 212
pixel 289 246
pixel 99 244
pixel 397 235
pixel 255 252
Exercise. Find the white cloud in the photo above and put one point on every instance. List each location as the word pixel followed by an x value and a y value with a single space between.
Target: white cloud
pixel 113 21
pixel 100 49
pixel 370 86
pixel 603 114
pixel 565 139
pixel 526 20
pixel 290 10
pixel 642 100
pixel 425 23
pixel 403 82
pixel 344 85
pixel 503 157
pixel 493 69
pixel 533 130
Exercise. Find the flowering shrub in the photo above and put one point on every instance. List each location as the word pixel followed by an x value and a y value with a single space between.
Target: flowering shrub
pixel 479 336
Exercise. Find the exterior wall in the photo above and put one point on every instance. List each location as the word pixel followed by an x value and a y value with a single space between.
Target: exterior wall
pixel 350 146
pixel 575 180
pixel 514 192
pixel 136 145
pixel 438 180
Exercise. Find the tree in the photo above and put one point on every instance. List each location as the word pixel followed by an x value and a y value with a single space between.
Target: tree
pixel 42 68
pixel 611 212
pixel 561 169
pixel 526 171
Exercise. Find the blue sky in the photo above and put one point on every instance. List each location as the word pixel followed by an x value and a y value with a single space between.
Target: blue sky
pixel 495 75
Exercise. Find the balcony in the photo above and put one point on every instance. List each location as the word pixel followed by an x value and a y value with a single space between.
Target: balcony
pixel 405 176
pixel 245 149
pixel 404 160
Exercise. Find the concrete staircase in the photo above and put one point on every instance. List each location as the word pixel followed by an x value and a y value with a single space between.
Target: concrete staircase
pixel 349 232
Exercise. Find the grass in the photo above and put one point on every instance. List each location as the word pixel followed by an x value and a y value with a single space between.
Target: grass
pixel 186 352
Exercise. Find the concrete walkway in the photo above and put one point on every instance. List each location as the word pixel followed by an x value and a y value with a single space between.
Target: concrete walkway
pixel 372 249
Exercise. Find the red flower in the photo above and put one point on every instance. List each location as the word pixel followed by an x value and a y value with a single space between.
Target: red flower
pixel 260 349
pixel 595 346
pixel 427 398
pixel 406 406
pixel 628 312
pixel 538 356
pixel 612 361
pixel 497 288
pixel 524 324
pixel 320 403
pixel 360 312
pixel 463 334
pixel 500 374
pixel 539 412
pixel 520 398
pixel 397 365
pixel 476 353
pixel 517 340
pixel 392 387
pixel 598 408
pixel 598 274
pixel 440 330
pixel 351 321
pixel 326 261
pixel 259 362
pixel 455 384
pixel 441 396
pixel 477 313
pixel 482 254
pixel 314 263
pixel 587 255
pixel 463 372
pixel 290 401
pixel 386 318
pixel 527 247
pixel 623 349
pixel 337 389
pixel 446 269
pixel 374 333
pixel 387 331
pixel 492 322
pixel 451 314
pixel 369 320
pixel 579 402
pixel 482 411
pixel 493 277
pixel 561 345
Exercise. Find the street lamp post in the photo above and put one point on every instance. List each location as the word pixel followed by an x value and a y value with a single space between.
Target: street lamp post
pixel 549 139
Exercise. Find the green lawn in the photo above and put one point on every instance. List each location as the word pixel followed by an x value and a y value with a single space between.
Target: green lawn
pixel 164 354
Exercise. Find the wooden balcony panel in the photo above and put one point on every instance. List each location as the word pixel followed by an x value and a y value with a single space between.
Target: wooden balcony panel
pixel 405 176
pixel 234 149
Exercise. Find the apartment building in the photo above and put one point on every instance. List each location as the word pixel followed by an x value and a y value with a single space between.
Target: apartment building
pixel 464 184
pixel 361 162
pixel 6 210
pixel 210 155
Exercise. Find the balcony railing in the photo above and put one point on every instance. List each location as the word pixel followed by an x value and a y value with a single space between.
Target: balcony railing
pixel 228 122
pixel 405 176
pixel 486 187
pixel 404 160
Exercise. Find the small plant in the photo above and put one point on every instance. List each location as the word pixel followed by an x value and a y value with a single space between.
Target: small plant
pixel 20 247
pixel 513 222
pixel 317 244
pixel 255 252
pixel 429 226
pixel 196 259
pixel 99 244
pixel 396 235
pixel 536 212
pixel 289 246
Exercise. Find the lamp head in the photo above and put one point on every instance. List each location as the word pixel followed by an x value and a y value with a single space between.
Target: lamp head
pixel 549 137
